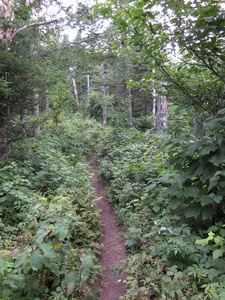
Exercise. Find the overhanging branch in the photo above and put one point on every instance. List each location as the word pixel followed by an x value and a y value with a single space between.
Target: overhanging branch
pixel 18 30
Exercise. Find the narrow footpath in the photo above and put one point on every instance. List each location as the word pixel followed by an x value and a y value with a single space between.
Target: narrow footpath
pixel 113 248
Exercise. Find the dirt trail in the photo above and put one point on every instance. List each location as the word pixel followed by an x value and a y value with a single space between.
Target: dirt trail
pixel 113 245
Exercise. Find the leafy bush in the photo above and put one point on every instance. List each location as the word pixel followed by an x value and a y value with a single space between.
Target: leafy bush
pixel 149 279
pixel 167 190
pixel 50 234
pixel 54 247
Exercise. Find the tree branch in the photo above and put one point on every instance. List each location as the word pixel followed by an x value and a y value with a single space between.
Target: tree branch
pixel 18 30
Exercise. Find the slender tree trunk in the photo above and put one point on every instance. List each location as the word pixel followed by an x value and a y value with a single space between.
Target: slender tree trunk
pixel 154 102
pixel 162 111
pixel 36 109
pixel 159 107
pixel 104 107
pixel 24 118
pixel 76 95
pixel 128 93
pixel 129 106
pixel 4 130
pixel 47 105
pixel 104 115
pixel 162 114
pixel 88 83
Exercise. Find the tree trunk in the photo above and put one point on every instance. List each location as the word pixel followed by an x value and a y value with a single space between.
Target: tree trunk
pixel 104 115
pixel 104 107
pixel 47 105
pixel 76 95
pixel 162 112
pixel 4 130
pixel 129 106
pixel 36 109
pixel 24 118
pixel 160 108
pixel 88 83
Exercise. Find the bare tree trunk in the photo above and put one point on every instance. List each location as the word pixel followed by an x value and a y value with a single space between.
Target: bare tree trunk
pixel 154 102
pixel 88 83
pixel 128 93
pixel 4 130
pixel 104 115
pixel 129 106
pixel 76 95
pixel 104 107
pixel 162 111
pixel 47 105
pixel 36 108
pixel 159 107
pixel 24 118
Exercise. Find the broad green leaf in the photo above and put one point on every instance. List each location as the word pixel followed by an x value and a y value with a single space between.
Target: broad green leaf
pixel 21 258
pixel 37 260
pixel 17 277
pixel 211 236
pixel 70 288
pixel 222 232
pixel 191 191
pixel 193 147
pixel 62 232
pixel 208 148
pixel 66 249
pixel 3 265
pixel 59 206
pixel 207 212
pixel 205 200
pixel 93 295
pixel 219 156
pixel 202 242
pixel 72 276
pixel 218 199
pixel 193 211
pixel 219 240
pixel 133 292
pixel 48 251
pixel 218 253
pixel 208 171
pixel 41 234
pixel 87 264
pixel 213 182
pixel 140 4
pixel 174 203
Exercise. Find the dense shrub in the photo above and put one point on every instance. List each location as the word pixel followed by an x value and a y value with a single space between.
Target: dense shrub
pixel 167 190
pixel 49 238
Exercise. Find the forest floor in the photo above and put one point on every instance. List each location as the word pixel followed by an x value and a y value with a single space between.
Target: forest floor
pixel 113 248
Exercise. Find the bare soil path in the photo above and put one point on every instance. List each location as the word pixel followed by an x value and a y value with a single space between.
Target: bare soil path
pixel 113 244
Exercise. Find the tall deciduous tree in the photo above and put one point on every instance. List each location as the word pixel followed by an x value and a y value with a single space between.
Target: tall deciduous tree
pixel 181 40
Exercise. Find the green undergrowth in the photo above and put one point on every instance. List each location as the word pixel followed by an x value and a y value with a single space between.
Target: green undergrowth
pixel 49 241
pixel 168 192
